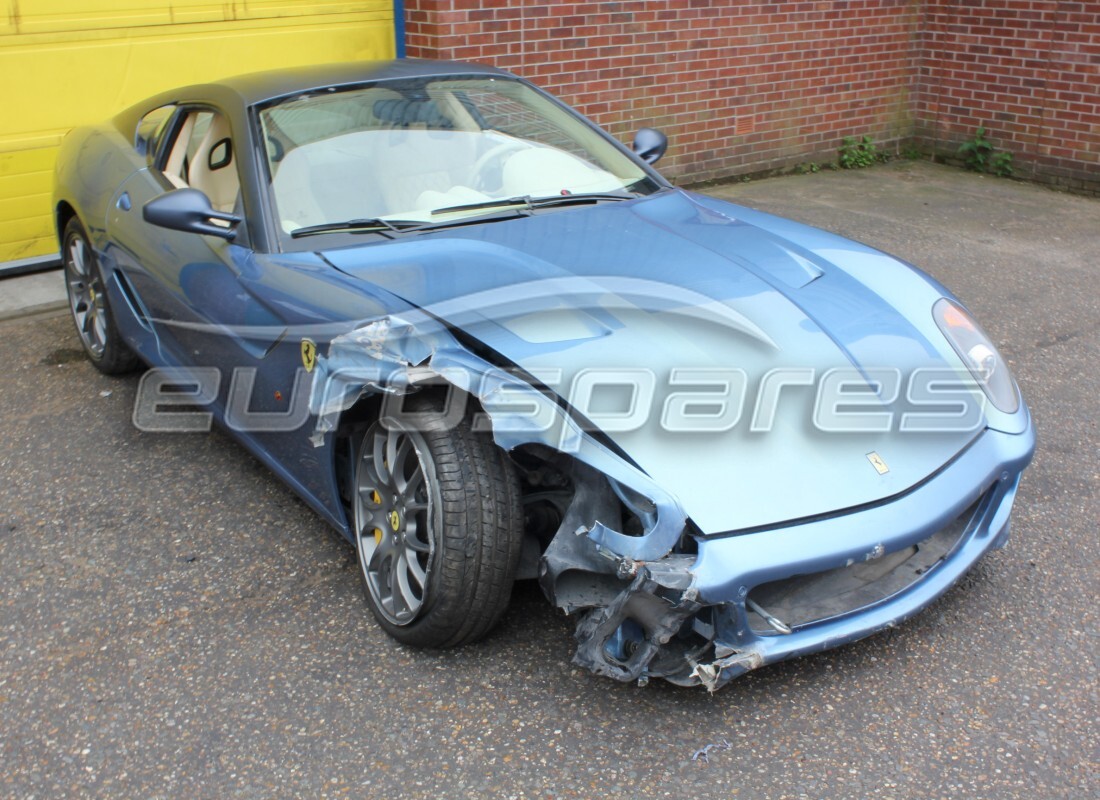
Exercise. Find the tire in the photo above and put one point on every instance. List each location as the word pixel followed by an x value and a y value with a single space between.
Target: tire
pixel 90 306
pixel 438 528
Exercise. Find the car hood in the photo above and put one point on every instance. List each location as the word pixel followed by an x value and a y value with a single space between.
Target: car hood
pixel 706 297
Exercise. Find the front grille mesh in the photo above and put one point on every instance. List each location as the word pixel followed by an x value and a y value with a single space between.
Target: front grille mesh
pixel 804 599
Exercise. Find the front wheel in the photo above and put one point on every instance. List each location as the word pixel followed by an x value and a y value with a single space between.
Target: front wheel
pixel 438 528
pixel 88 303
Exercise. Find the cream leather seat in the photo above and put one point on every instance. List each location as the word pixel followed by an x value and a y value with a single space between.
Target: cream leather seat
pixel 213 168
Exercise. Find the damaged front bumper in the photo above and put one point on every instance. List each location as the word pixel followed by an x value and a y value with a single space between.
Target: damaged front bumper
pixel 671 602
pixel 708 617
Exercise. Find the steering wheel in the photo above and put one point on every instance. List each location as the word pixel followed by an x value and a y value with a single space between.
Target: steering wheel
pixel 495 153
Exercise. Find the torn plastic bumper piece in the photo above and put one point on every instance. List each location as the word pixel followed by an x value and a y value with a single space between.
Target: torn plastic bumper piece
pixel 659 600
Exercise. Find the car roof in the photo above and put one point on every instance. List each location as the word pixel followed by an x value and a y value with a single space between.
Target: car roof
pixel 259 87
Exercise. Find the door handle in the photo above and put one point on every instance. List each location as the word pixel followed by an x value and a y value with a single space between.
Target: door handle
pixel 124 201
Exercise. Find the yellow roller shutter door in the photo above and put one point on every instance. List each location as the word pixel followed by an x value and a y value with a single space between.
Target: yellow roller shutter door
pixel 65 63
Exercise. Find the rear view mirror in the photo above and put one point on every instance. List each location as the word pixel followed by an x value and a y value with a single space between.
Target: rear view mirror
pixel 650 144
pixel 189 210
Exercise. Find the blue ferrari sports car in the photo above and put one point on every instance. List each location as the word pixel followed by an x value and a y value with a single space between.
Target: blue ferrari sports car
pixel 487 342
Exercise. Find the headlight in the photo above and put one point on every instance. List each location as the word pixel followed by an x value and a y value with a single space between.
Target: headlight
pixel 978 353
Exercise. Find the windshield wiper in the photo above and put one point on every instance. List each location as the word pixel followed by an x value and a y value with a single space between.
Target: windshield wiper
pixel 520 205
pixel 358 225
pixel 527 202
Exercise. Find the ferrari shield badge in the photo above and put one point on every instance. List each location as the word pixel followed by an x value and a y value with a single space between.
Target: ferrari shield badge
pixel 873 457
pixel 309 354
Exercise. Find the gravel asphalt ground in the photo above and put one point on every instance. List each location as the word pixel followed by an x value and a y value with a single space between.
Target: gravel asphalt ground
pixel 174 623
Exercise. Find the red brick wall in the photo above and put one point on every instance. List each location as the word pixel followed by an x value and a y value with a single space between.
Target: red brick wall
pixel 746 86
pixel 737 86
pixel 1029 72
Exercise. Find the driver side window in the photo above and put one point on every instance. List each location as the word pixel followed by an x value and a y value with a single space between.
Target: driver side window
pixel 203 157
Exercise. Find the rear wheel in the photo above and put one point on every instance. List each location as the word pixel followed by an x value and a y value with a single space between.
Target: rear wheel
pixel 89 305
pixel 438 528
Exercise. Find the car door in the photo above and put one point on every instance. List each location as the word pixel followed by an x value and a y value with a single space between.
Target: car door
pixel 187 286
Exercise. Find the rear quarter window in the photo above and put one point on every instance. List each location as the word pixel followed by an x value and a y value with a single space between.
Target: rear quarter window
pixel 150 131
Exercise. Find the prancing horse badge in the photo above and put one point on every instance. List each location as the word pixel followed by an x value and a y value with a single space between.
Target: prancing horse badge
pixel 873 457
pixel 309 354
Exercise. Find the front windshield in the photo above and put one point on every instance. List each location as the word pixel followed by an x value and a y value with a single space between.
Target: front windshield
pixel 401 150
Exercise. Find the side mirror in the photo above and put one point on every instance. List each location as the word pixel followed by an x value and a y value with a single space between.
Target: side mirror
pixel 189 210
pixel 650 144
